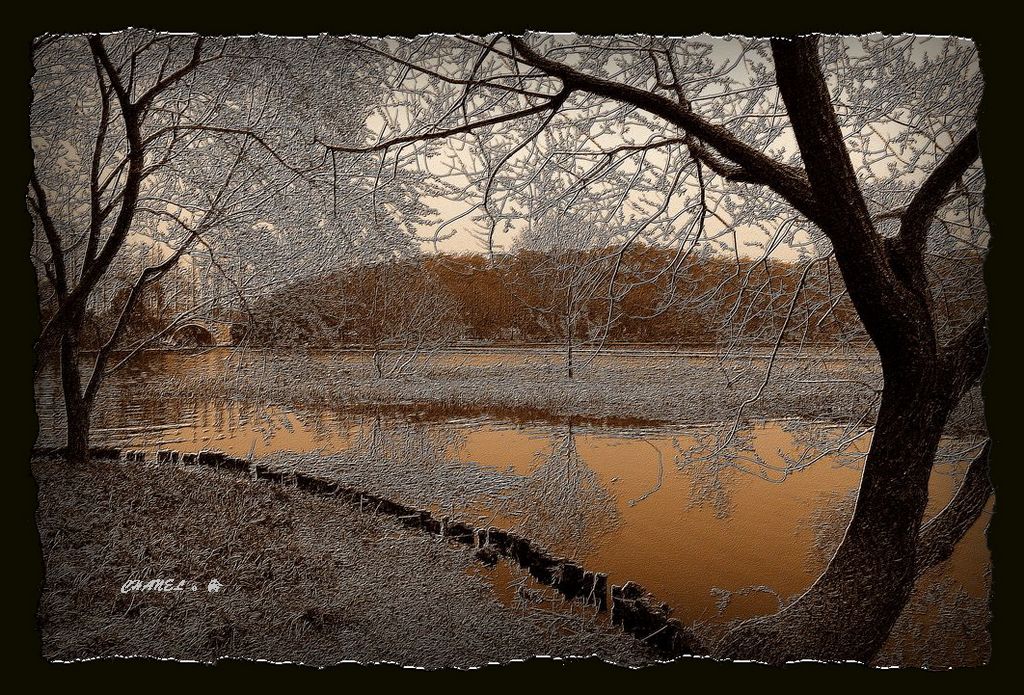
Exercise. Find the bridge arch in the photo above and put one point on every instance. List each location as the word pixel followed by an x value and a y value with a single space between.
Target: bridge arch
pixel 193 335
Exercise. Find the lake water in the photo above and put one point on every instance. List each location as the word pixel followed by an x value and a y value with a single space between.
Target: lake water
pixel 638 503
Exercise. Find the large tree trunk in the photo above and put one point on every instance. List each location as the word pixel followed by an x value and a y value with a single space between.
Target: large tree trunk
pixel 849 611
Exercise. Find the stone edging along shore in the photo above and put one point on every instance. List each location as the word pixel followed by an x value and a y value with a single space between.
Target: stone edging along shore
pixel 633 609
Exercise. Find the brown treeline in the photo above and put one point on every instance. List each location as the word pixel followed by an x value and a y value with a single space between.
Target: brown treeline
pixel 643 295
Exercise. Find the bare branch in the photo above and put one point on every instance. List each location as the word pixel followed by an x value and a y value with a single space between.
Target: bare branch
pixel 939 537
pixel 162 85
pixel 39 204
pixel 550 105
pixel 964 359
pixel 917 218
pixel 788 181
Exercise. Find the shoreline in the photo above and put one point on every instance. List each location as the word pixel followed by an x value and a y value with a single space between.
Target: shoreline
pixel 151 525
pixel 634 391
pixel 624 388
pixel 632 608
pixel 454 562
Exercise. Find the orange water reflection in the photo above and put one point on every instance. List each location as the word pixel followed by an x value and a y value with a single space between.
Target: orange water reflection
pixel 614 499
pixel 679 546
pixel 680 549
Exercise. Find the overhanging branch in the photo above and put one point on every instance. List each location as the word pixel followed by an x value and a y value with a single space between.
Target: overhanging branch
pixel 551 104
pixel 917 218
pixel 788 181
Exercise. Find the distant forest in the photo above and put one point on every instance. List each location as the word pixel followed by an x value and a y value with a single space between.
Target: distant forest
pixel 644 295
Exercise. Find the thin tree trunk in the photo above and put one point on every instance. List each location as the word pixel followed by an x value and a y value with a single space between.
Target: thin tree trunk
pixel 76 406
pixel 569 329
pixel 568 356
pixel 849 611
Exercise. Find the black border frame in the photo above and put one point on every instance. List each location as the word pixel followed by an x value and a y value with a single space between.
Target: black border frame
pixel 1000 58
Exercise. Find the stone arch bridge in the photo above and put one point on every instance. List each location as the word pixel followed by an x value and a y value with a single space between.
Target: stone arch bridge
pixel 207 332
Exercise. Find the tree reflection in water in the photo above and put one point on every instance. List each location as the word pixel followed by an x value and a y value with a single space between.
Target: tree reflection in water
pixel 564 504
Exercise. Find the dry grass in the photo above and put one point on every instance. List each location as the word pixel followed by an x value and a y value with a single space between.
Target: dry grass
pixel 615 389
pixel 305 579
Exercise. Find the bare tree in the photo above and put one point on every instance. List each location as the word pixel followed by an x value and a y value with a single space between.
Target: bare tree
pixel 859 150
pixel 138 137
pixel 399 314
pixel 567 284
pixel 565 503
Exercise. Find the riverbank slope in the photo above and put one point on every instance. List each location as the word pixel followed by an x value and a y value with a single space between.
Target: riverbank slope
pixel 303 579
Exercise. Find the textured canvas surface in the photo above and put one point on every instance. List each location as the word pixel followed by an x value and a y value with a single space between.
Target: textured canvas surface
pixel 454 350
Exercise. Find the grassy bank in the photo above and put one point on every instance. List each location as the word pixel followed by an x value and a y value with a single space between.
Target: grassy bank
pixel 304 579
pixel 616 387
